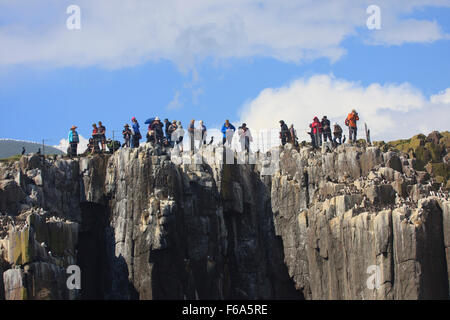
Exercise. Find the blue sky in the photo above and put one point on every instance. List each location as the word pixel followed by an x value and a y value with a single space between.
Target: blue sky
pixel 217 75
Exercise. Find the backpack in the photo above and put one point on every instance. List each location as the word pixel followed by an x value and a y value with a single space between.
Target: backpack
pixel 75 138
pixel 113 145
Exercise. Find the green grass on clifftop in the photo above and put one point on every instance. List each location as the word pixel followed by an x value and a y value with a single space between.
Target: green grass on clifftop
pixel 11 159
pixel 429 155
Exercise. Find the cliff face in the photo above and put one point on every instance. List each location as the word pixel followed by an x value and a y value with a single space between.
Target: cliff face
pixel 347 215
pixel 324 226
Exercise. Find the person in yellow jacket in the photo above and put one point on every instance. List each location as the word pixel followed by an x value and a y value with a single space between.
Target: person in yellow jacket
pixel 351 123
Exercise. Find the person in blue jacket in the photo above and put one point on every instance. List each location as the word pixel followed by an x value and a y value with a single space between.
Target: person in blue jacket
pixel 227 136
pixel 136 133
pixel 73 141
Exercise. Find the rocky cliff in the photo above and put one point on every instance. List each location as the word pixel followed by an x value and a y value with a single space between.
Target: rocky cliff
pixel 355 223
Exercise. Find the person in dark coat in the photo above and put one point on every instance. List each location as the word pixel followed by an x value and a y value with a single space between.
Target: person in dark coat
pixel 284 133
pixel 102 135
pixel 126 133
pixel 326 129
pixel 166 130
pixel 157 127
pixel 191 131
pixel 337 132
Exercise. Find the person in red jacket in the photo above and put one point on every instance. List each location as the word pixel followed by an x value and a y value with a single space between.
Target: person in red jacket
pixel 351 123
pixel 95 139
pixel 316 127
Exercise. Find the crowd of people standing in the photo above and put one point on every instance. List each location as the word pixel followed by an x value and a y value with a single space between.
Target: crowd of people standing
pixel 320 130
pixel 171 134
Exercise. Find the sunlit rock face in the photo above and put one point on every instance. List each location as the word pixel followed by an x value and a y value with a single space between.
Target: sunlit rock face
pixel 354 223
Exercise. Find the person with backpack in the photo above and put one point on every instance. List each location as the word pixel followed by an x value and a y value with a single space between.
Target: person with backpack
pixel 351 123
pixel 136 134
pixel 284 133
pixel 337 133
pixel 126 133
pixel 245 137
pixel 326 129
pixel 228 131
pixel 73 141
pixel 316 127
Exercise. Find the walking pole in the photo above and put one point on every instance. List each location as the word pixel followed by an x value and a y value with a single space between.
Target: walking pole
pixel 367 134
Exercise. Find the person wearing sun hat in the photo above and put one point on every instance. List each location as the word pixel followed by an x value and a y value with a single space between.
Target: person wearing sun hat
pixel 73 141
pixel 126 133
pixel 156 128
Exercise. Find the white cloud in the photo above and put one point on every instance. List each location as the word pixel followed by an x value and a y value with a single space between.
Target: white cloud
pixel 391 111
pixel 175 102
pixel 64 144
pixel 410 30
pixel 118 33
pixel 442 97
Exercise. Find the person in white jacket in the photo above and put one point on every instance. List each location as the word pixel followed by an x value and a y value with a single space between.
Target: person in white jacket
pixel 177 137
pixel 245 137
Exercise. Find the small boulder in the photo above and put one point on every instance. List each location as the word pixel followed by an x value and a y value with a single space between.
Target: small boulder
pixel 434 137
